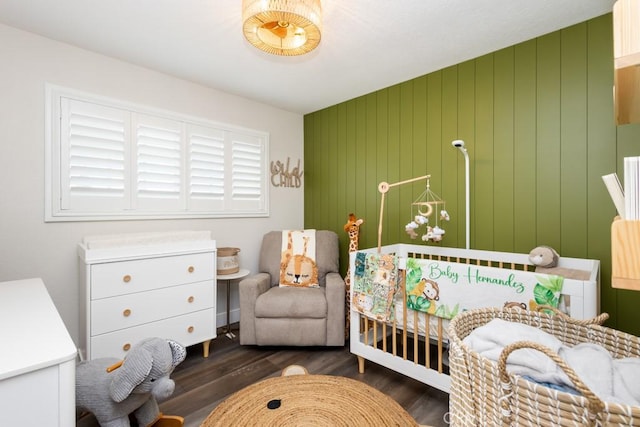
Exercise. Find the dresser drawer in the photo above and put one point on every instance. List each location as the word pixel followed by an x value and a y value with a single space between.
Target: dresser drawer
pixel 188 329
pixel 125 311
pixel 126 277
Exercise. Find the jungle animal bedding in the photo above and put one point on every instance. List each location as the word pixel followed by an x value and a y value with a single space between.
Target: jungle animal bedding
pixel 443 288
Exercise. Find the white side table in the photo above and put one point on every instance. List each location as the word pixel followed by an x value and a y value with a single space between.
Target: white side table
pixel 241 274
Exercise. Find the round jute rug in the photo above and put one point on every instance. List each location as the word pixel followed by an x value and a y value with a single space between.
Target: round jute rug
pixel 309 400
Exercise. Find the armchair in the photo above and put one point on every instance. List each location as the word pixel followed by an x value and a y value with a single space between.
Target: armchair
pixel 274 315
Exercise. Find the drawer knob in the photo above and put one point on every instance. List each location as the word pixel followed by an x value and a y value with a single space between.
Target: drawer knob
pixel 126 347
pixel 191 299
pixel 190 329
pixel 126 312
pixel 126 279
pixel 191 269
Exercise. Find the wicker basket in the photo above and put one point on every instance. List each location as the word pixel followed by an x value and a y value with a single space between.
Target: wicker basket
pixel 479 398
pixel 227 261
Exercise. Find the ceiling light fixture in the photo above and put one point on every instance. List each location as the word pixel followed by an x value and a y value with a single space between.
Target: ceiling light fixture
pixel 282 27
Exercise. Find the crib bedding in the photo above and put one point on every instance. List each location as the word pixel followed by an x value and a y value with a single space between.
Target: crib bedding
pixel 435 288
pixel 378 295
pixel 395 342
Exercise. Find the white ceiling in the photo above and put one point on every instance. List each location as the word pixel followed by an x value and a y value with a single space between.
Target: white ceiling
pixel 366 44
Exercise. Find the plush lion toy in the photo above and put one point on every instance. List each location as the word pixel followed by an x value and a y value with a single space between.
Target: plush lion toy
pixel 544 256
pixel 546 259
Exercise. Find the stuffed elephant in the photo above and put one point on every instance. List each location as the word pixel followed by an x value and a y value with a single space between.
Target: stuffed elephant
pixel 136 386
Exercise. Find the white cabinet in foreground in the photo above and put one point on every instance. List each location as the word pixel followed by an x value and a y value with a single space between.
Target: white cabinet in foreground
pixel 37 361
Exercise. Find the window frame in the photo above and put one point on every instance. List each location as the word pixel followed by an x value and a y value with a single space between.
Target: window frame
pixel 56 173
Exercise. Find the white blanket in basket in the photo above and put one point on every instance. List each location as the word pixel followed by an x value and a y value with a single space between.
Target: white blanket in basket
pixel 612 380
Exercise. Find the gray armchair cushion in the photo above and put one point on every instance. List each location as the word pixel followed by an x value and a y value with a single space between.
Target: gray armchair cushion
pixel 293 303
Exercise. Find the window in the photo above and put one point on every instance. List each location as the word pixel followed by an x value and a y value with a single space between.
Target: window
pixel 110 160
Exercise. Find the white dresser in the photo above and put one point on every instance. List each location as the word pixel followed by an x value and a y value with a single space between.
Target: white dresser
pixel 37 360
pixel 147 285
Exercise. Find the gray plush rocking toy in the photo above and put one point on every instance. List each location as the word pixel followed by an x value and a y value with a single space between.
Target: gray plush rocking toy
pixel 112 389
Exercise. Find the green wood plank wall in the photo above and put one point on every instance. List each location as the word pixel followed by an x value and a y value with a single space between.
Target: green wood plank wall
pixel 602 151
pixel 537 120
pixel 524 146
pixel 503 150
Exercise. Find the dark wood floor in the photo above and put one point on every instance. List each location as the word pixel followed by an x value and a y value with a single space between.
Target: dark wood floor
pixel 201 384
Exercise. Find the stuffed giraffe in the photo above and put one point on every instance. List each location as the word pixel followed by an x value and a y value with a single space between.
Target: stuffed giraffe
pixel 352 228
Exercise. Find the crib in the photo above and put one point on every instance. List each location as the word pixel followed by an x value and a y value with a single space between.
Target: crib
pixel 415 343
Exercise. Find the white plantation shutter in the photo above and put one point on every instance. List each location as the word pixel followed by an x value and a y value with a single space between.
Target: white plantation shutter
pixel 206 171
pixel 247 176
pixel 158 168
pixel 108 160
pixel 94 158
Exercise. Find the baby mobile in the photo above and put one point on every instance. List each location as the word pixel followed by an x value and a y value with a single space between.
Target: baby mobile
pixel 421 210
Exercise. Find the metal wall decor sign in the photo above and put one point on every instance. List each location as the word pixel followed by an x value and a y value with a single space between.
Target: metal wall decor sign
pixel 282 176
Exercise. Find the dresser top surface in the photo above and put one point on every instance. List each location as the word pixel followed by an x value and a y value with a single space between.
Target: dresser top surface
pixel 130 252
